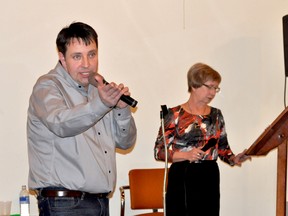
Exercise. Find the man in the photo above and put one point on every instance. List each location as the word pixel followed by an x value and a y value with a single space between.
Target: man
pixel 73 129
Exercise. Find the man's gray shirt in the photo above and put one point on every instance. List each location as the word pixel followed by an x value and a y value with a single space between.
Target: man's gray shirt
pixel 72 135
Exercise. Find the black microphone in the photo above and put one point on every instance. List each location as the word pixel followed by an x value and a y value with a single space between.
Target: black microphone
pixel 125 98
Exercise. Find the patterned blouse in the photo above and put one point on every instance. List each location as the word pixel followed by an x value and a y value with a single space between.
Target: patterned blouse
pixel 184 131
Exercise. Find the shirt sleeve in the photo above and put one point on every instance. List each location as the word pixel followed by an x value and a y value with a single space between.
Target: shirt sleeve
pixel 63 110
pixel 125 128
pixel 224 151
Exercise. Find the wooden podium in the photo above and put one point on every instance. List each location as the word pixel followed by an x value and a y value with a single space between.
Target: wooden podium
pixel 275 136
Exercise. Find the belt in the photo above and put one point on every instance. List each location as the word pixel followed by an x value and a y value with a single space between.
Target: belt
pixel 203 161
pixel 70 193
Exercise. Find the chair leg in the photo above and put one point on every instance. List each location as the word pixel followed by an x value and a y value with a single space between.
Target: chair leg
pixel 122 199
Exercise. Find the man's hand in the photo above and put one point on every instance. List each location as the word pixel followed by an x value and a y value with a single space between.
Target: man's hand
pixel 110 93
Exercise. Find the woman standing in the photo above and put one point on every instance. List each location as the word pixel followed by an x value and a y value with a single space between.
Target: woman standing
pixel 195 136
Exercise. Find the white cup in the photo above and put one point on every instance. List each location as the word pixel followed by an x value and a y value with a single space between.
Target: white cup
pixel 5 208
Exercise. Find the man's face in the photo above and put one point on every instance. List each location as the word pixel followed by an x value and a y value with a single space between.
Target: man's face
pixel 80 61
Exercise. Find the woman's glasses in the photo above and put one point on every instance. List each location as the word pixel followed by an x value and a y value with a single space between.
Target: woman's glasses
pixel 217 89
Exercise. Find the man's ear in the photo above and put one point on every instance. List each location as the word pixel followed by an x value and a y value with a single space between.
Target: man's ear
pixel 62 58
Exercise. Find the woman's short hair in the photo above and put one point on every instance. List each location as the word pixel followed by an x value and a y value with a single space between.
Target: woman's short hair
pixel 200 73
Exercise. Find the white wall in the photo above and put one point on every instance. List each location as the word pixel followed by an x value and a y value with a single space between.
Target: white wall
pixel 149 45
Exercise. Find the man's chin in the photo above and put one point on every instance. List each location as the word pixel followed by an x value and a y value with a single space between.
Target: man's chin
pixel 84 82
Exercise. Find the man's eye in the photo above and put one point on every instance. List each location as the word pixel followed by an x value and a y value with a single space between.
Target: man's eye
pixel 77 57
pixel 92 55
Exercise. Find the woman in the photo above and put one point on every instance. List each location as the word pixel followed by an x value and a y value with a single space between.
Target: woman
pixel 195 136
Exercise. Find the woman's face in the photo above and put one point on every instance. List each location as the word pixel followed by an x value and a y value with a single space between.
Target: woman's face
pixel 207 91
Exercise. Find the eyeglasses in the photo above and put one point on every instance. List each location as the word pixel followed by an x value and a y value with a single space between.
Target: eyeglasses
pixel 217 89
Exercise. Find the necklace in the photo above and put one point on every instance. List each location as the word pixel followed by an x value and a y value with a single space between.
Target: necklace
pixel 200 115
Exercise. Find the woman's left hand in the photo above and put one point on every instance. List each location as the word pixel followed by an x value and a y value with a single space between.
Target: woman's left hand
pixel 240 158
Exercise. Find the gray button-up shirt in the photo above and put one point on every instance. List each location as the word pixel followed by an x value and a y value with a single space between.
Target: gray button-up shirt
pixel 72 135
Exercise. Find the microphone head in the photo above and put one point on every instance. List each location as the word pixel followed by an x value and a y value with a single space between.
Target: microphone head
pixel 92 79
pixel 164 110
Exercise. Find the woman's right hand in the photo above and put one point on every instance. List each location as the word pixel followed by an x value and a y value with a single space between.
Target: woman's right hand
pixel 191 155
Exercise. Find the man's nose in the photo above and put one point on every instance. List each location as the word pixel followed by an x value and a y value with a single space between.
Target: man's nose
pixel 85 62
